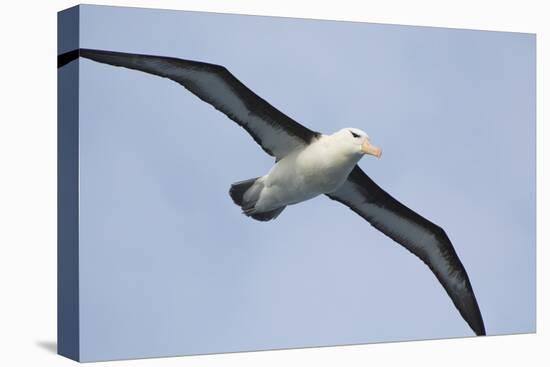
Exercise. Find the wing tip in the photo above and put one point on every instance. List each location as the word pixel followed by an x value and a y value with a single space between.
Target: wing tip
pixel 478 327
pixel 67 57
pixel 470 312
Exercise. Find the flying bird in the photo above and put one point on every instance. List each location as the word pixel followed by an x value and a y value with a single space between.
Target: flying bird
pixel 307 164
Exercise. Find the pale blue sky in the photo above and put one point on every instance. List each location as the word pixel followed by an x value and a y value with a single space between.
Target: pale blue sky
pixel 168 264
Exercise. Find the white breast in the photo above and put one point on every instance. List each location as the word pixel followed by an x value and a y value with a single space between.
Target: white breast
pixel 319 168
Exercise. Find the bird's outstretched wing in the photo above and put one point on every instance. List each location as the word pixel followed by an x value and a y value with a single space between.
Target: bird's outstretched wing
pixel 418 235
pixel 274 131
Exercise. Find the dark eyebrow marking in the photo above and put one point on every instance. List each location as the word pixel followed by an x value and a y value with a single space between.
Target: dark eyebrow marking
pixel 354 134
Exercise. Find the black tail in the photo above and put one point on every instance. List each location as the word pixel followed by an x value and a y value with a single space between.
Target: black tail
pixel 238 189
pixel 246 193
pixel 266 216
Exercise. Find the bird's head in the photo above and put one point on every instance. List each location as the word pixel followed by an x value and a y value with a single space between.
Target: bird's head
pixel 357 141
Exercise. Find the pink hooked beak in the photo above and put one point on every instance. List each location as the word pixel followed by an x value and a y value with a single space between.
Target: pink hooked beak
pixel 367 148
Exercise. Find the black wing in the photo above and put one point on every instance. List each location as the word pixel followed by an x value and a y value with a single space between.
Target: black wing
pixel 275 132
pixel 418 235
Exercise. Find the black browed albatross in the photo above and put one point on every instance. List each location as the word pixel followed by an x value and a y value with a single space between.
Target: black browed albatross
pixel 307 164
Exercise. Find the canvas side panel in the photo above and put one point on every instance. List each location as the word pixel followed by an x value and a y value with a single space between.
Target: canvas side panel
pixel 67 189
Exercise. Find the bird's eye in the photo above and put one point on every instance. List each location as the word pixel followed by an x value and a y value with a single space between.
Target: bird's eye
pixel 354 134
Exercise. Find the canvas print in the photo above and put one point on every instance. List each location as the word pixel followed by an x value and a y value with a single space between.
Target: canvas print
pixel 237 183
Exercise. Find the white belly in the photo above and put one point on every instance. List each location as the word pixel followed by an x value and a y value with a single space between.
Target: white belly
pixel 303 175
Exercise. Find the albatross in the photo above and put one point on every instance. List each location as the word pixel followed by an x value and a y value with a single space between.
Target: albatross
pixel 307 164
